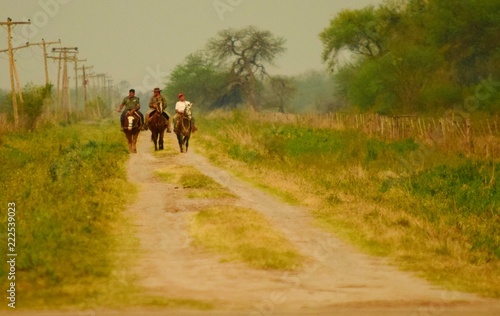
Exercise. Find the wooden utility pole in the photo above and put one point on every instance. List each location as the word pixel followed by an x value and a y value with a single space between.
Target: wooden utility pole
pixel 9 24
pixel 85 84
pixel 76 61
pixel 97 87
pixel 58 98
pixel 65 100
pixel 110 88
pixel 44 45
pixel 103 79
pixel 14 71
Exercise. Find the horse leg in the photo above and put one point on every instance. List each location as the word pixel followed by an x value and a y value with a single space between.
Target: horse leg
pixel 129 140
pixel 160 141
pixel 154 136
pixel 187 142
pixel 179 140
pixel 134 142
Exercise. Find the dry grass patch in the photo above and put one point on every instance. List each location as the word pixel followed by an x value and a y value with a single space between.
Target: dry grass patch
pixel 241 234
pixel 170 149
pixel 191 178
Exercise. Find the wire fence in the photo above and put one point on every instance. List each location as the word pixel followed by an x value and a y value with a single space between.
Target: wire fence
pixel 453 132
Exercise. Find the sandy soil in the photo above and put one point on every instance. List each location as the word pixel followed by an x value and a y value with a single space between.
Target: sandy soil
pixel 337 280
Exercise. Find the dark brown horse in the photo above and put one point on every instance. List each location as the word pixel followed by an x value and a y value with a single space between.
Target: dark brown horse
pixel 183 132
pixel 157 123
pixel 131 126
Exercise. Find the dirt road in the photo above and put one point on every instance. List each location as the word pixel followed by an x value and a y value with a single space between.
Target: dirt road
pixel 337 280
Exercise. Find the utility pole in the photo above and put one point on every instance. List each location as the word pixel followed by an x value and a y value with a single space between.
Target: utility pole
pixel 58 98
pixel 65 100
pixel 76 60
pixel 58 91
pixel 12 68
pixel 14 71
pixel 85 84
pixel 110 88
pixel 102 79
pixel 44 45
pixel 97 87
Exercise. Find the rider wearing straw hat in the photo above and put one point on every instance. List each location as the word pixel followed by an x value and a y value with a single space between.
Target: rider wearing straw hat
pixel 157 101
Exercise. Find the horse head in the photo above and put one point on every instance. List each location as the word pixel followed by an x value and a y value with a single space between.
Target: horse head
pixel 188 110
pixel 130 119
pixel 131 128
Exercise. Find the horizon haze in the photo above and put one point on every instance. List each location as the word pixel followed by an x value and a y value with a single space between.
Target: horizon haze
pixel 141 42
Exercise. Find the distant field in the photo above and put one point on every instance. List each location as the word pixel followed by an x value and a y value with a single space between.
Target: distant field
pixel 429 210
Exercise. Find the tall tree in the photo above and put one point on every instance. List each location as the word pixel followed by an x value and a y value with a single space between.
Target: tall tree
pixel 358 31
pixel 467 32
pixel 245 53
pixel 198 78
pixel 414 55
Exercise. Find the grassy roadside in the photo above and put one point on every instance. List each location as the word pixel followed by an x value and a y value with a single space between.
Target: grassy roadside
pixel 73 245
pixel 69 186
pixel 431 212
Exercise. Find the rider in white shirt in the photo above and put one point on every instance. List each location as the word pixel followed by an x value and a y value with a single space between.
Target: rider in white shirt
pixel 180 108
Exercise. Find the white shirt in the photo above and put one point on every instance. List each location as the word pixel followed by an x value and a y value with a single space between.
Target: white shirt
pixel 181 106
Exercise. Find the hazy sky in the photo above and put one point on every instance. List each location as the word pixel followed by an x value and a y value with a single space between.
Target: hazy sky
pixel 141 41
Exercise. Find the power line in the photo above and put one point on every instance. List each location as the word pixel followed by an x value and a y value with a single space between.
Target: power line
pixel 44 46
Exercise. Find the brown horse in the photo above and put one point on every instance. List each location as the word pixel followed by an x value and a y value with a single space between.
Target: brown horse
pixel 157 123
pixel 131 126
pixel 183 132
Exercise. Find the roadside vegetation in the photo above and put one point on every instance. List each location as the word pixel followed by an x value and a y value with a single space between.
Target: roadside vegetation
pixel 70 187
pixel 439 218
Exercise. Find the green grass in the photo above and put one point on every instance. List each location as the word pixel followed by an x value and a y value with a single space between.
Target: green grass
pixel 430 211
pixel 73 244
pixel 190 178
pixel 240 234
pixel 69 185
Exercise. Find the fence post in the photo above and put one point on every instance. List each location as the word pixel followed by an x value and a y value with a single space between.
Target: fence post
pixel 468 135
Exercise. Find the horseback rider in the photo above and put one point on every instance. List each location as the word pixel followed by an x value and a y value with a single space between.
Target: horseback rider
pixel 157 101
pixel 180 109
pixel 130 103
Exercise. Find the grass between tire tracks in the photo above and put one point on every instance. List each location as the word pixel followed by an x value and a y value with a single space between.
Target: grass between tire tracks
pixel 235 233
pixel 241 234
pixel 439 218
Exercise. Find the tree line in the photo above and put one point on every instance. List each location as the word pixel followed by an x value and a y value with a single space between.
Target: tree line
pixel 400 57
pixel 415 55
